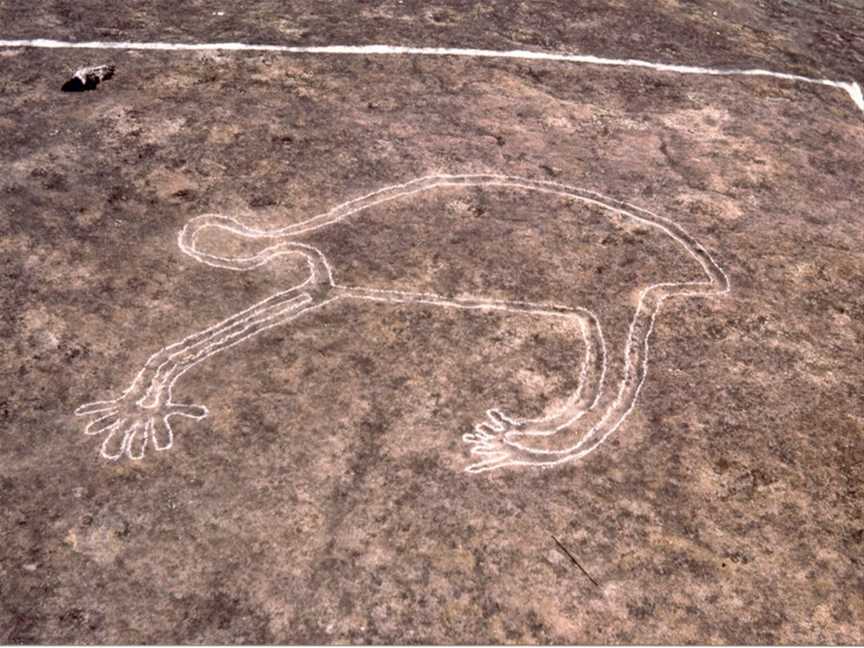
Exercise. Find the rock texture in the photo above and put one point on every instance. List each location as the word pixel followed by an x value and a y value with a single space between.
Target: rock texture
pixel 324 499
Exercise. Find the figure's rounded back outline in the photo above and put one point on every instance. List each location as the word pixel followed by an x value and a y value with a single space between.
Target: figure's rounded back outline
pixel 494 441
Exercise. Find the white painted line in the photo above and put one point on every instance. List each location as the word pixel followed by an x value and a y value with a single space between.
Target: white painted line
pixel 850 87
pixel 141 414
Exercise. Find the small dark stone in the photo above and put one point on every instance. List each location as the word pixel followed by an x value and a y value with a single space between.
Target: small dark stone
pixel 77 85
pixel 88 78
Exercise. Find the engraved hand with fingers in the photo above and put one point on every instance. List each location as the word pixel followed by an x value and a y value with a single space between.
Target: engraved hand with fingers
pixel 492 442
pixel 129 426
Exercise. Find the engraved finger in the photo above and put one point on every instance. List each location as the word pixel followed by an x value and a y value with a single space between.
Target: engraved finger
pixel 96 407
pixel 137 440
pixel 489 464
pixel 163 437
pixel 115 443
pixel 102 423
pixel 484 431
pixel 499 420
pixel 196 412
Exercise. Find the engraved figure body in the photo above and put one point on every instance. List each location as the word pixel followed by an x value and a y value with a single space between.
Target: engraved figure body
pixel 141 415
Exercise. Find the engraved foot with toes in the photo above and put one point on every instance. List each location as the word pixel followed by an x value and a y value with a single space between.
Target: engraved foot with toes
pixel 491 442
pixel 129 427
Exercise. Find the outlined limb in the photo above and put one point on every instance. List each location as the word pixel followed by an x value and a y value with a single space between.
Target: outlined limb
pixel 141 415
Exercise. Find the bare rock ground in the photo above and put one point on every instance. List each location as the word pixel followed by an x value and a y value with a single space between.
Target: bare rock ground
pixel 324 498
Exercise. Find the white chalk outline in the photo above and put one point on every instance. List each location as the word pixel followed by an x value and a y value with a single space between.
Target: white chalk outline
pixel 142 413
pixel 852 88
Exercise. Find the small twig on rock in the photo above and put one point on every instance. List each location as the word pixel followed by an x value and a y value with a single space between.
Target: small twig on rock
pixel 575 562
